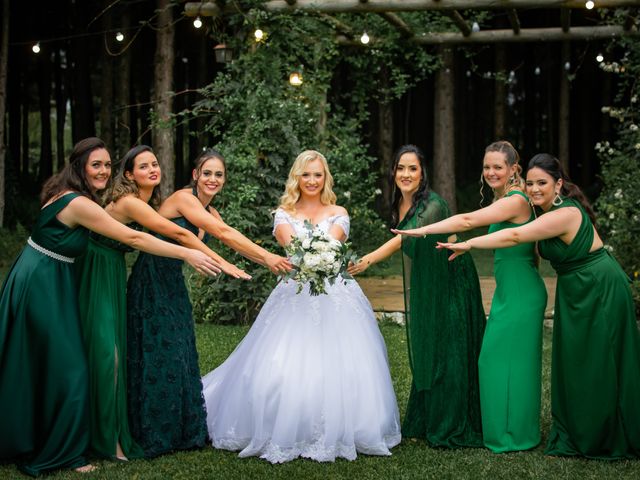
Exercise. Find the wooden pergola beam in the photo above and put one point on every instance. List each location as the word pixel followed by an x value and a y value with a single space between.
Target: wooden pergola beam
pixel 209 8
pixel 399 23
pixel 565 19
pixel 460 22
pixel 525 35
pixel 514 20
pixel 341 27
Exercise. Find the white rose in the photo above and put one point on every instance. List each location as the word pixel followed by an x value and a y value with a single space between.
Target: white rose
pixel 306 243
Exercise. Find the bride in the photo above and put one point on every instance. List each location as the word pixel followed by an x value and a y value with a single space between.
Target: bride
pixel 311 378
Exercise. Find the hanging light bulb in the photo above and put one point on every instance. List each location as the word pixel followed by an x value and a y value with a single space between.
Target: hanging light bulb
pixel 295 79
pixel 475 28
pixel 537 71
pixel 589 5
pixel 599 58
pixel 119 36
pixel 364 39
pixel 567 66
pixel 197 22
pixel 259 34
pixel 36 48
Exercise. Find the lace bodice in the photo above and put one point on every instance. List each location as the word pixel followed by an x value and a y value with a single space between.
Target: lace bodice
pixel 298 225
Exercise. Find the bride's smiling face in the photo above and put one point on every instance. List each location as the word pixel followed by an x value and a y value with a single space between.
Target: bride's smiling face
pixel 311 180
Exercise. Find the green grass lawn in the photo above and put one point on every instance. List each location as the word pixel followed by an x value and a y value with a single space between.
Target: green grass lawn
pixel 411 459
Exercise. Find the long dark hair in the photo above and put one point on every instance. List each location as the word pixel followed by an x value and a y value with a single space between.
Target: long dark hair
pixel 207 154
pixel 123 186
pixel 553 167
pixel 422 193
pixel 73 176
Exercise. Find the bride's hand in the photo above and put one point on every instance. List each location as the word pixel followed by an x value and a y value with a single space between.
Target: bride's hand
pixel 278 265
pixel 459 248
pixel 414 232
pixel 359 267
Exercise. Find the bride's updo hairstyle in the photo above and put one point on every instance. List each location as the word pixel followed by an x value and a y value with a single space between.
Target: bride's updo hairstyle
pixel 292 189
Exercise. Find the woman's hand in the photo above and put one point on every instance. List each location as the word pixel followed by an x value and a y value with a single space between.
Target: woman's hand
pixel 233 271
pixel 360 266
pixel 459 248
pixel 278 265
pixel 202 263
pixel 414 232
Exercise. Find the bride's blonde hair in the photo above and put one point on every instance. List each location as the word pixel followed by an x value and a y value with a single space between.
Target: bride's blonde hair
pixel 292 188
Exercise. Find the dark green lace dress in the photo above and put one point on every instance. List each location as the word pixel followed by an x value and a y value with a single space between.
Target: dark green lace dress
pixel 166 406
pixel 44 396
pixel 102 278
pixel 445 322
pixel 595 369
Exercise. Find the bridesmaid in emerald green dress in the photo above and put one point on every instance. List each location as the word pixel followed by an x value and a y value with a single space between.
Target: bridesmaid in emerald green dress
pixel 43 379
pixel 510 363
pixel 443 311
pixel 102 279
pixel 166 406
pixel 595 369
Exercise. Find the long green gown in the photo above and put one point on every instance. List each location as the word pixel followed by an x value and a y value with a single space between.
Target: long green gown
pixel 510 363
pixel 445 321
pixel 166 405
pixel 102 279
pixel 595 369
pixel 44 396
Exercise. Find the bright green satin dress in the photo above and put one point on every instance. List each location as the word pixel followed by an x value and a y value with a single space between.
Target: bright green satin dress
pixel 44 396
pixel 510 363
pixel 595 370
pixel 445 321
pixel 102 278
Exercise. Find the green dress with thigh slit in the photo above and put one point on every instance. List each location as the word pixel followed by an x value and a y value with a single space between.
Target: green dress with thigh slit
pixel 510 363
pixel 102 278
pixel 44 418
pixel 595 369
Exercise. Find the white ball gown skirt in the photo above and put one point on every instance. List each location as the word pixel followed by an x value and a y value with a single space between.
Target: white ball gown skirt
pixel 311 379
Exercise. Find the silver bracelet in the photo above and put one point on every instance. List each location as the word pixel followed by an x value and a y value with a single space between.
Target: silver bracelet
pixel 49 253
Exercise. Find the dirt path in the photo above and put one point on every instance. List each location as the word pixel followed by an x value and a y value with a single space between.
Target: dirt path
pixel 385 293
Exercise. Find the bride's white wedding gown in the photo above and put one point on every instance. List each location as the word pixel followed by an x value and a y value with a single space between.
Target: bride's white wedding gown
pixel 310 379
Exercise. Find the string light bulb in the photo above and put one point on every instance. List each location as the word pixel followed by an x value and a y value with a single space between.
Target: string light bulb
pixel 599 58
pixel 197 22
pixel 589 5
pixel 475 27
pixel 295 79
pixel 119 36
pixel 36 48
pixel 364 39
pixel 259 35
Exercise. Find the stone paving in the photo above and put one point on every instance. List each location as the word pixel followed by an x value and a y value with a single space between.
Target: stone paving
pixel 385 293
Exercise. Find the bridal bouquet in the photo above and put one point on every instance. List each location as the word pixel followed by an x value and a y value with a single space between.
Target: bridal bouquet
pixel 317 257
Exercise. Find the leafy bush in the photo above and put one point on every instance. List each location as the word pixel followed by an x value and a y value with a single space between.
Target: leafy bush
pixel 618 206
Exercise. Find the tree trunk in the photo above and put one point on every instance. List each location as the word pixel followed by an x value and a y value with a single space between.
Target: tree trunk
pixel 162 130
pixel 564 108
pixel 123 138
pixel 45 168
pixel 26 160
pixel 500 93
pixel 107 104
pixel 385 147
pixel 15 110
pixel 444 180
pixel 4 59
pixel 61 110
pixel 82 117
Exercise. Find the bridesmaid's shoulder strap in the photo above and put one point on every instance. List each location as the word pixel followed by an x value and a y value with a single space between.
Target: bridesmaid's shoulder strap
pixel 61 202
pixel 517 192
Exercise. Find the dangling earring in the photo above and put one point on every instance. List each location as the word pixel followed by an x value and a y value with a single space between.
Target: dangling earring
pixel 557 200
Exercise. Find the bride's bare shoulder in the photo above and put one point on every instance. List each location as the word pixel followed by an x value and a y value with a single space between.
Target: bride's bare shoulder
pixel 338 210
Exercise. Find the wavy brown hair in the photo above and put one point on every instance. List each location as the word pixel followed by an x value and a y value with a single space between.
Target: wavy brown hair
pixel 123 186
pixel 74 176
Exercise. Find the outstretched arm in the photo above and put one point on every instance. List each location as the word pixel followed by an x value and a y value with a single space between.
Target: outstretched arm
pixel 561 223
pixel 189 207
pixel 505 209
pixel 383 251
pixel 145 215
pixel 85 212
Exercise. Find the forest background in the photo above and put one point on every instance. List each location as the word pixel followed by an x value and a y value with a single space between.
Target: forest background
pixel 141 72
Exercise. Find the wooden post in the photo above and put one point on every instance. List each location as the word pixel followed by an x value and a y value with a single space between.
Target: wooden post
pixel 385 148
pixel 162 130
pixel 444 181
pixel 564 107
pixel 500 92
